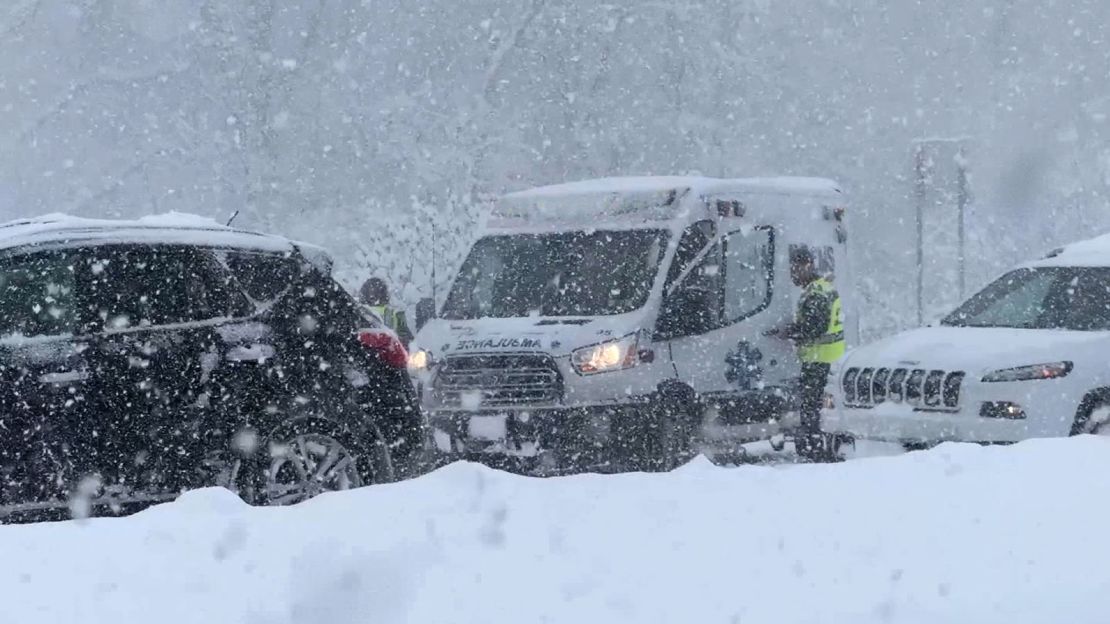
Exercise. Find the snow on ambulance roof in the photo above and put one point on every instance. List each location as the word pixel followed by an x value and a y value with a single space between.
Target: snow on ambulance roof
pixel 656 198
pixel 701 185
pixel 173 227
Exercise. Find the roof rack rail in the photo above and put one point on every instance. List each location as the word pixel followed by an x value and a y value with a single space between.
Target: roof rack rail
pixel 43 220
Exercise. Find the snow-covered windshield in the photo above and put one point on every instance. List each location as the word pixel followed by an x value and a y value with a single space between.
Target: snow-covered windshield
pixel 1074 298
pixel 559 274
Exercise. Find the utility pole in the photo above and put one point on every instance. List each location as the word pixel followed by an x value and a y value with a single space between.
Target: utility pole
pixel 434 243
pixel 925 172
pixel 921 172
pixel 963 198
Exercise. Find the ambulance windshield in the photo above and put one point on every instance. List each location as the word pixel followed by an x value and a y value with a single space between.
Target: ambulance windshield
pixel 557 274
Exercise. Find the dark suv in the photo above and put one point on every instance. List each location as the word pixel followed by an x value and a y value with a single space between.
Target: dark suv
pixel 141 359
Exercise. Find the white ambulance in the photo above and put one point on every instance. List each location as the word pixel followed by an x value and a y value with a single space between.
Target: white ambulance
pixel 620 323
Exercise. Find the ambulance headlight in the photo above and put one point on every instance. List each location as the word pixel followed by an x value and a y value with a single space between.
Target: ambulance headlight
pixel 607 356
pixel 1050 370
pixel 419 360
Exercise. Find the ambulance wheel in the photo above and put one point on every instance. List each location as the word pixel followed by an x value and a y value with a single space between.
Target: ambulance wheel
pixel 820 447
pixel 669 429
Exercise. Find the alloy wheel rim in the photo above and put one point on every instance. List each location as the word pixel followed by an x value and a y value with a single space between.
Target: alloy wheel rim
pixel 309 465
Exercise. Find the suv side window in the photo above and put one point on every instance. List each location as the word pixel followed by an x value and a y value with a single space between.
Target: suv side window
pixel 749 273
pixel 150 286
pixel 38 295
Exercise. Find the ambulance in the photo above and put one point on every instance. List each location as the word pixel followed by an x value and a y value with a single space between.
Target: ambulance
pixel 622 323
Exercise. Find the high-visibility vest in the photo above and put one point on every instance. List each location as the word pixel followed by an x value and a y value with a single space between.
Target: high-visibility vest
pixel 830 346
pixel 387 314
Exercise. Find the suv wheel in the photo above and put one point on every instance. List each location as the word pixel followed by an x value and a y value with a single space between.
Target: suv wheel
pixel 1097 421
pixel 1093 416
pixel 308 458
pixel 1100 420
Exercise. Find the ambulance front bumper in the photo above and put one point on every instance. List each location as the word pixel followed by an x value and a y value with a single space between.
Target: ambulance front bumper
pixel 524 432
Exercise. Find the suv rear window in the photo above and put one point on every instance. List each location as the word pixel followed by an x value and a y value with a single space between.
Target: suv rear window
pixel 37 295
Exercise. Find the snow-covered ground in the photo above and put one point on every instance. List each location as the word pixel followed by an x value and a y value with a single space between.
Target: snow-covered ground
pixel 957 534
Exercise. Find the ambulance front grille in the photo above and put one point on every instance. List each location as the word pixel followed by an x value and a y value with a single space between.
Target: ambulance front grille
pixel 921 388
pixel 484 381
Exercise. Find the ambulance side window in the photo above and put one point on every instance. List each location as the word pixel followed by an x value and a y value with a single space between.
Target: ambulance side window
pixel 694 308
pixel 824 257
pixel 749 273
pixel 693 240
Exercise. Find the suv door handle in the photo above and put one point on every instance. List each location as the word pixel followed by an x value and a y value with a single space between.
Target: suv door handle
pixel 64 377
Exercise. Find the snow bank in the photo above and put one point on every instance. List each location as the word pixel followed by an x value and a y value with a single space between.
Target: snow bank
pixel 959 534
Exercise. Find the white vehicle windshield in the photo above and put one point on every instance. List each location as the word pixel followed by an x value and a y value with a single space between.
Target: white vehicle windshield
pixel 558 274
pixel 1074 298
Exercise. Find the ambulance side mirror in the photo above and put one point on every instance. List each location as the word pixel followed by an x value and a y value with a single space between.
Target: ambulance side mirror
pixel 425 311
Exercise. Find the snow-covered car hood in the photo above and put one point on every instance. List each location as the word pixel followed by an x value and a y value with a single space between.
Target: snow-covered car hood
pixel 975 349
pixel 553 335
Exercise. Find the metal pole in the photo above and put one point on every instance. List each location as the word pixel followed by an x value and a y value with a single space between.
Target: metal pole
pixel 434 299
pixel 919 218
pixel 962 200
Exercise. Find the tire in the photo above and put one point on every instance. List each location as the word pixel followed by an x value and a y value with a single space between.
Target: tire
pixel 1093 415
pixel 307 457
pixel 823 448
pixel 1101 418
pixel 667 431
pixel 409 442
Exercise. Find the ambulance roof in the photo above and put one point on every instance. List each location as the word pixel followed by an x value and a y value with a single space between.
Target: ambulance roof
pixel 635 201
pixel 699 185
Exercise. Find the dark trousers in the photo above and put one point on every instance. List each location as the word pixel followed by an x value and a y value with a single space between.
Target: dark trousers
pixel 811 397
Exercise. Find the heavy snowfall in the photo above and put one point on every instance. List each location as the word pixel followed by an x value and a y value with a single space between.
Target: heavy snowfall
pixel 435 311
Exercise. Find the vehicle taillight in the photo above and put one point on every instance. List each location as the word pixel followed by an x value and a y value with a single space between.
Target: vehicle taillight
pixel 386 345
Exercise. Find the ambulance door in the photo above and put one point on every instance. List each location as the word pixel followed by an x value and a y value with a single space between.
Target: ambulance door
pixel 723 301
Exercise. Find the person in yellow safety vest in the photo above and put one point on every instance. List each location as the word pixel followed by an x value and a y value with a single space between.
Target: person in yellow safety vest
pixel 818 334
pixel 375 296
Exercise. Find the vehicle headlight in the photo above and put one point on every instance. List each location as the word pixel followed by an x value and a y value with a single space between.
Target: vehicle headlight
pixel 607 356
pixel 419 360
pixel 1050 370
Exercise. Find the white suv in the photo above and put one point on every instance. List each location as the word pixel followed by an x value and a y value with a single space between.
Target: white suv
pixel 1028 356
